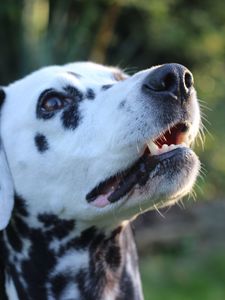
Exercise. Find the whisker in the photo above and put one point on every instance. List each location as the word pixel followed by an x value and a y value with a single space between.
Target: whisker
pixel 199 188
pixel 180 203
pixel 193 195
pixel 205 107
pixel 205 119
pixel 204 104
pixel 201 137
pixel 158 211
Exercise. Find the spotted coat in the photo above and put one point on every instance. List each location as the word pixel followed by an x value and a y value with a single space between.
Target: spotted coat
pixel 75 169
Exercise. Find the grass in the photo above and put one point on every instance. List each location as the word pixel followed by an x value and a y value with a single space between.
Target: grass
pixel 190 276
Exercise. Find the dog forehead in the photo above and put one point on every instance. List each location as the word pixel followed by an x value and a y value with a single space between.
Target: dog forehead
pixel 93 71
pixel 87 73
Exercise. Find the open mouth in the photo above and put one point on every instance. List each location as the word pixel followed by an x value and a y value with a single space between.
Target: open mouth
pixel 164 147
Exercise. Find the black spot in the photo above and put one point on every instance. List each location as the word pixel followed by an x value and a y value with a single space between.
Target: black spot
pixel 2 97
pixel 106 87
pixel 97 282
pixel 81 242
pixel 58 284
pixel 56 228
pixel 97 241
pixel 2 285
pixel 86 237
pixel 37 267
pixel 21 226
pixel 13 238
pixel 74 93
pixel 20 206
pixel 22 293
pixel 71 117
pixel 100 250
pixel 116 231
pixel 48 219
pixel 62 229
pixel 41 142
pixel 74 74
pixel 81 279
pixel 90 94
pixel 113 256
pixel 2 270
pixel 126 287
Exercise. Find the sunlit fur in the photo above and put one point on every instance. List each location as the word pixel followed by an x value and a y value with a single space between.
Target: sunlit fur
pixel 50 167
pixel 107 140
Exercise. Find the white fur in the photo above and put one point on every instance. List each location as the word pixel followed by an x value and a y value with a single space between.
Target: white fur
pixel 11 290
pixel 106 141
pixel 67 262
pixel 70 292
pixel 6 191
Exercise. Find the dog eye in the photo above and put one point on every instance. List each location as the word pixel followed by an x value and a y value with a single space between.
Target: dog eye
pixel 54 102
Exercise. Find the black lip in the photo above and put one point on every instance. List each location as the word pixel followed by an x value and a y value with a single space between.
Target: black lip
pixel 137 174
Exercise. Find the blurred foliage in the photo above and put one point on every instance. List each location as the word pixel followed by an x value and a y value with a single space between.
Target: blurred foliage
pixel 133 34
pixel 194 276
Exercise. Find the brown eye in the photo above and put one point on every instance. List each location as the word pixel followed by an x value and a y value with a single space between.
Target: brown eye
pixel 52 103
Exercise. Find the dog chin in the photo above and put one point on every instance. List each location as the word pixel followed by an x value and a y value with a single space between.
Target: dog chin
pixel 167 183
pixel 167 189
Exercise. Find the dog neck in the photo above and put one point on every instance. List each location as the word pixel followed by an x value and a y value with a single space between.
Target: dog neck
pixel 57 260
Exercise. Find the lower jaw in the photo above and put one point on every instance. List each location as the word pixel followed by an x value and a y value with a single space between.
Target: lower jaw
pixel 145 169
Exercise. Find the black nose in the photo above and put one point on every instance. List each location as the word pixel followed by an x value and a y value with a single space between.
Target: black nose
pixel 172 80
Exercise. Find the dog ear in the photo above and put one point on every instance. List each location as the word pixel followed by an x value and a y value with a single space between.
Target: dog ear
pixel 6 183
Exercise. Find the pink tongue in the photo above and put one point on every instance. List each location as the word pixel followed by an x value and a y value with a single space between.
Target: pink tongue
pixel 101 201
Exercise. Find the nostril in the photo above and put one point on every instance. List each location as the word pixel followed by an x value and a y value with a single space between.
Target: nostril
pixel 164 82
pixel 188 80
pixel 169 81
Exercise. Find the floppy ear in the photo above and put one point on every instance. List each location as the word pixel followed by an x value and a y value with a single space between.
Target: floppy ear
pixel 6 183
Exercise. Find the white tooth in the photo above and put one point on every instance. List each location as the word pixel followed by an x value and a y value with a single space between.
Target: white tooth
pixel 153 147
pixel 172 146
pixel 164 148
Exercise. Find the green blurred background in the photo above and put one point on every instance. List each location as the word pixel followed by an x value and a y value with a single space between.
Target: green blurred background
pixel 182 252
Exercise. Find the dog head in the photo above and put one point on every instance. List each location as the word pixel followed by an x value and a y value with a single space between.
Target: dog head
pixel 88 142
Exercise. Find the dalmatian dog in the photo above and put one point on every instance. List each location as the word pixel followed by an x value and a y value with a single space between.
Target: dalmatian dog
pixel 85 148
